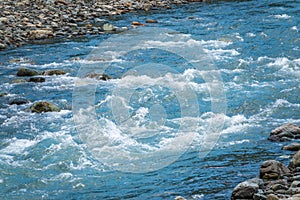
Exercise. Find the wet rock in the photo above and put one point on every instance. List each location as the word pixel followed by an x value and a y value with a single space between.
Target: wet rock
pixel 3 94
pixel 179 198
pixel 53 72
pixel 60 2
pixel 19 81
pixel 40 34
pixel 2 46
pixel 109 27
pixel 44 106
pixel 151 21
pixel 285 132
pixel 292 147
pixel 18 101
pixel 27 72
pixel 103 77
pixel 137 24
pixel 259 196
pixel 246 189
pixel 272 170
pixel 37 79
pixel 295 161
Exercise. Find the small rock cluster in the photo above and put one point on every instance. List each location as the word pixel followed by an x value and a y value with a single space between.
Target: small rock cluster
pixel 22 21
pixel 276 181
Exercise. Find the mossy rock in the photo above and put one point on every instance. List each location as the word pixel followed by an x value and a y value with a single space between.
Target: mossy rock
pixel 44 106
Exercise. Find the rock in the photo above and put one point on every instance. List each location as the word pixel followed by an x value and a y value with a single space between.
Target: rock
pixel 272 169
pixel 295 187
pixel 27 72
pixel 295 161
pixel 285 132
pixel 137 24
pixel 179 198
pixel 19 81
pixel 3 94
pixel 56 2
pixel 272 197
pixel 40 34
pixel 2 46
pixel 37 79
pixel 259 196
pixel 151 21
pixel 53 72
pixel 109 27
pixel 103 77
pixel 292 147
pixel 246 189
pixel 18 101
pixel 44 106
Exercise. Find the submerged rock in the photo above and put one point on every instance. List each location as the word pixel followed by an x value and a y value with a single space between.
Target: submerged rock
pixel 53 72
pixel 151 21
pixel 246 189
pixel 27 72
pixel 18 101
pixel 179 198
pixel 37 79
pixel 19 81
pixel 285 132
pixel 44 106
pixel 103 77
pixel 137 24
pixel 272 170
pixel 3 94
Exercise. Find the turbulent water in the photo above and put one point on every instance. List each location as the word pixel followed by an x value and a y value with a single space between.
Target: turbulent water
pixel 252 50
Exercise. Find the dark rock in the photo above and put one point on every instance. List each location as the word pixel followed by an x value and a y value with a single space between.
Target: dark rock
pixel 295 161
pixel 44 106
pixel 103 77
pixel 285 132
pixel 259 196
pixel 18 101
pixel 53 72
pixel 292 147
pixel 27 72
pixel 272 170
pixel 246 189
pixel 37 79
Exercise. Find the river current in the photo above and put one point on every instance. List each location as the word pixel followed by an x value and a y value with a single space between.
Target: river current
pixel 252 49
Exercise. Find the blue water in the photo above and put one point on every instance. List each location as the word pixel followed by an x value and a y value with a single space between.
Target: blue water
pixel 254 45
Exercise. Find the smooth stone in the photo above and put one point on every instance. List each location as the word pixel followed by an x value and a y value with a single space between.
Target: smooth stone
pixel 27 72
pixel 272 169
pixel 2 46
pixel 259 197
pixel 44 106
pixel 292 147
pixel 109 27
pixel 40 34
pixel 179 198
pixel 295 161
pixel 246 189
pixel 272 197
pixel 37 79
pixel 285 132
pixel 53 72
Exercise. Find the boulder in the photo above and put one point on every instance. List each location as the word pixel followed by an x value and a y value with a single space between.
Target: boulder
pixel 272 170
pixel 109 27
pixel 44 106
pixel 272 197
pixel 292 147
pixel 27 72
pixel 103 77
pixel 246 189
pixel 40 34
pixel 295 161
pixel 37 79
pixel 18 101
pixel 53 72
pixel 285 132
pixel 2 46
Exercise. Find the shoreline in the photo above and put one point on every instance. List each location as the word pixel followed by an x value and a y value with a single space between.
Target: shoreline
pixel 23 21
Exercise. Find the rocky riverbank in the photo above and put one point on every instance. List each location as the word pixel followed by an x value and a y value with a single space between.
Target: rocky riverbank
pixel 276 181
pixel 24 21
